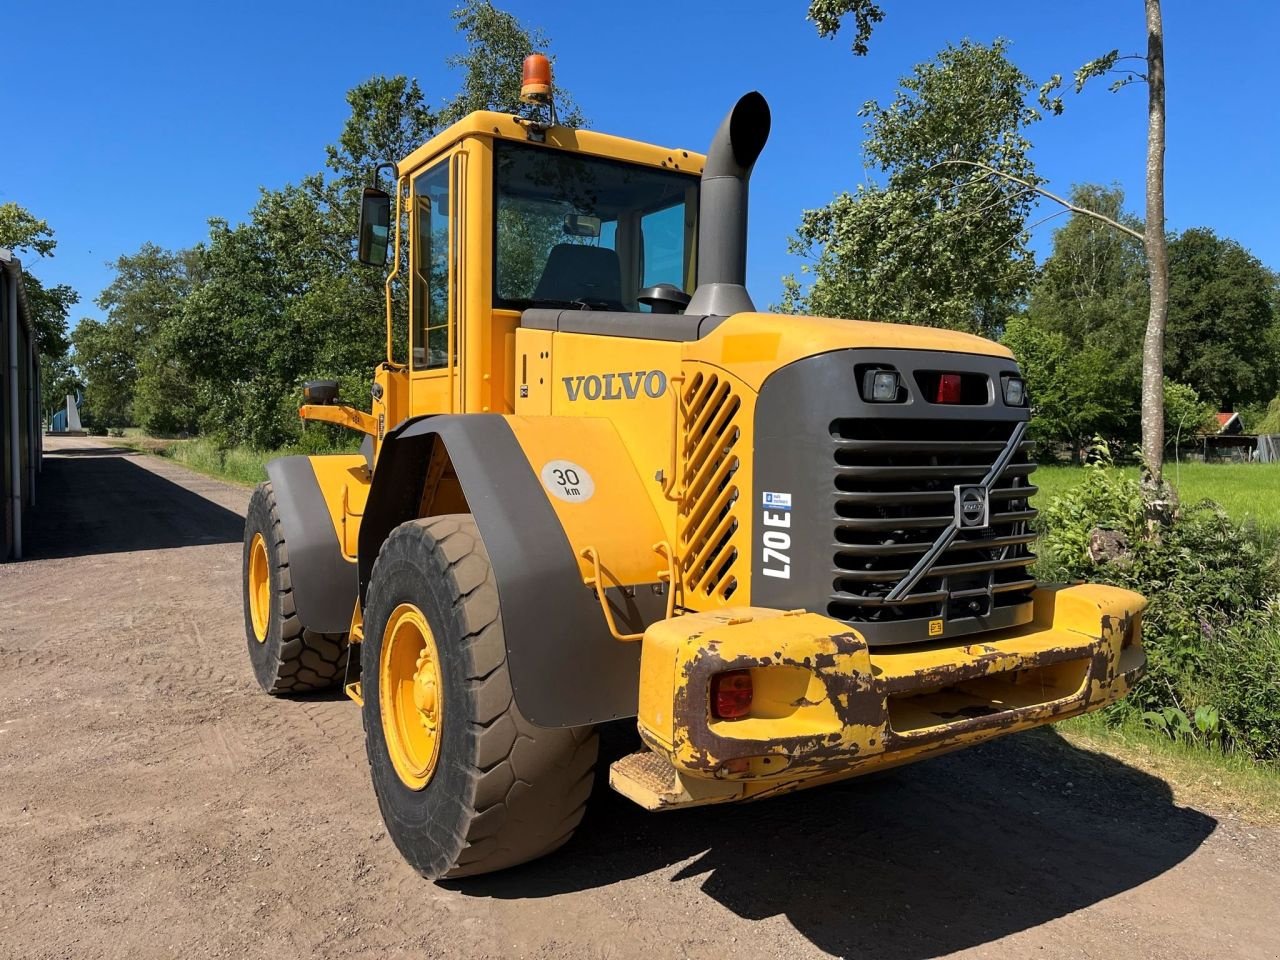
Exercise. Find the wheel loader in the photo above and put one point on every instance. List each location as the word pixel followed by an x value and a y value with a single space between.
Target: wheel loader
pixel 597 484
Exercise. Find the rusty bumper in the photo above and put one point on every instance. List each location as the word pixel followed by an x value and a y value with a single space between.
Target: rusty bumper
pixel 826 706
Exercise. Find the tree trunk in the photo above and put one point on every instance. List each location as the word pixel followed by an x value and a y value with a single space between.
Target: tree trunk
pixel 1157 265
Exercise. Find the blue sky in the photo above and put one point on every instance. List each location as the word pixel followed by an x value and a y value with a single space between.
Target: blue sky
pixel 134 122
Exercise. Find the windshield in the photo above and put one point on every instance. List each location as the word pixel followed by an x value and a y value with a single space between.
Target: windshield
pixel 579 231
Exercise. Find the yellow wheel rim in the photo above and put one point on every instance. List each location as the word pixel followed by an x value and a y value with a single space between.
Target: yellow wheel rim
pixel 409 695
pixel 259 587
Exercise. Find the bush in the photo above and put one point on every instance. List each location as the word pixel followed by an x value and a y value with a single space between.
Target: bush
pixel 1213 625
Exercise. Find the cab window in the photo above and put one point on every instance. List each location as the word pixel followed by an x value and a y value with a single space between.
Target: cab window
pixel 430 311
pixel 572 230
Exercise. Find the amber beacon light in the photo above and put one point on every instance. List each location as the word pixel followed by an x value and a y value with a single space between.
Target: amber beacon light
pixel 535 86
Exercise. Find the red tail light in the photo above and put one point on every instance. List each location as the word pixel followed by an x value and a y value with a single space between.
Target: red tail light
pixel 731 695
pixel 948 388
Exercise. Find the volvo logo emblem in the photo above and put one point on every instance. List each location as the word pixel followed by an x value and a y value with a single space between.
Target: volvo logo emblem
pixel 972 507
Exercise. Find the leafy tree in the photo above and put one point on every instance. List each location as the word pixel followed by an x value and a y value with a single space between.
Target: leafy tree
pixel 1078 391
pixel 1091 295
pixel 1094 281
pixel 1185 414
pixel 497 43
pixel 929 246
pixel 1221 320
pixel 280 299
pixel 1155 243
pixel 24 233
pixel 131 372
pixel 828 16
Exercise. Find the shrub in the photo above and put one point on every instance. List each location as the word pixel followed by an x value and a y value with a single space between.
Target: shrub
pixel 1212 629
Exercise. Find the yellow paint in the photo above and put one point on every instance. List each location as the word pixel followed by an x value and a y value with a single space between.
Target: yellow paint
pixel 643 424
pixel 827 707
pixel 410 696
pixel 615 519
pixel 344 481
pixel 702 492
pixel 753 345
pixel 532 374
pixel 343 416
pixel 487 124
pixel 259 587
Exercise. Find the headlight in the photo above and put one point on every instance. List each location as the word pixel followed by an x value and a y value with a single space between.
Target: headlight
pixel 880 386
pixel 1015 391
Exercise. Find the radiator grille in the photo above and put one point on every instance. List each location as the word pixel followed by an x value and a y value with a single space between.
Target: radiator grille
pixel 709 412
pixel 894 494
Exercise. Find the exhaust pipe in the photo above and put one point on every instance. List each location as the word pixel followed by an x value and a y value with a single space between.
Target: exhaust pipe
pixel 722 210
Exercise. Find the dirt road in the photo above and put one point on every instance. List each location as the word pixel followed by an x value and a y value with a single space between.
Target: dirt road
pixel 154 803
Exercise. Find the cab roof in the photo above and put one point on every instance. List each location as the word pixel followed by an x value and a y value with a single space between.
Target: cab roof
pixel 490 123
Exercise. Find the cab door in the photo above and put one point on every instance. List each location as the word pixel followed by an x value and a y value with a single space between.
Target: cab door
pixel 435 330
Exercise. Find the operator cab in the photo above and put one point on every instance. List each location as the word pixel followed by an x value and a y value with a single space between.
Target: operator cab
pixel 506 222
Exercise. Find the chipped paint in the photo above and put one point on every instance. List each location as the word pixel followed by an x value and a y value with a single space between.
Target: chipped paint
pixel 828 707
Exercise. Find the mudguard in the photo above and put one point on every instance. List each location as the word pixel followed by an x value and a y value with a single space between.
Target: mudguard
pixel 324 582
pixel 566 667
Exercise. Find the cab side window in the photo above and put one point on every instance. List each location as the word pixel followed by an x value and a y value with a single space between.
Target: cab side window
pixel 431 269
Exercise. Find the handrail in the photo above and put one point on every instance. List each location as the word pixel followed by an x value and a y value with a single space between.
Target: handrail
pixel 401 185
pixel 596 582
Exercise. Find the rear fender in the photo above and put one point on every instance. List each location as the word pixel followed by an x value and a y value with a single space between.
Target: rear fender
pixel 566 668
pixel 313 495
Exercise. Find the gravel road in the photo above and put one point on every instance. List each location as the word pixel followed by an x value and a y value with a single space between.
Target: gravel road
pixel 154 803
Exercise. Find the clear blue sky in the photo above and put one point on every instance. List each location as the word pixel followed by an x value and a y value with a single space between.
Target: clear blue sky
pixel 139 121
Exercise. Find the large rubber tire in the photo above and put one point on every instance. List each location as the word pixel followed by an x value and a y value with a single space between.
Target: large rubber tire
pixel 503 791
pixel 291 658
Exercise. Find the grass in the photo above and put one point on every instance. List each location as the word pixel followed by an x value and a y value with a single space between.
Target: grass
pixel 1245 490
pixel 1208 778
pixel 239 465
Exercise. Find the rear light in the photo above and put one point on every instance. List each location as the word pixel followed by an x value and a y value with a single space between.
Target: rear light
pixel 731 695
pixel 948 388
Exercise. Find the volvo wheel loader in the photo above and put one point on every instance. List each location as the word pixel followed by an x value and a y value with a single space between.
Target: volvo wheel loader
pixel 597 483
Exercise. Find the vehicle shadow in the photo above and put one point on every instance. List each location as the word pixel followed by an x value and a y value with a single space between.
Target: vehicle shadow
pixel 96 501
pixel 933 858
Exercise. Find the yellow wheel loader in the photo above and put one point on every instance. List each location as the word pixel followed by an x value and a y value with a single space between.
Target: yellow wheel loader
pixel 598 484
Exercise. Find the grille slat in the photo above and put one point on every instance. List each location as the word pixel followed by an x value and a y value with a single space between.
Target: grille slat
pixel 909 472
pixel 905 497
pixel 898 549
pixel 924 523
pixel 893 491
pixel 939 570
pixel 926 446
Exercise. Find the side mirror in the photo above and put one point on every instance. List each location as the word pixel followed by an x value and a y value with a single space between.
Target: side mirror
pixel 375 227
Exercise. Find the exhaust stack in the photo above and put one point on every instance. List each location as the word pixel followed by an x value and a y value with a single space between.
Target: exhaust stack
pixel 722 210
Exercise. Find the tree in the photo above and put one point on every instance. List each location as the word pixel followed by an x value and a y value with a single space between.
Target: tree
pixel 49 307
pixel 1094 280
pixel 927 247
pixel 280 298
pixel 1155 243
pixel 496 45
pixel 1185 414
pixel 1221 320
pixel 828 16
pixel 1078 391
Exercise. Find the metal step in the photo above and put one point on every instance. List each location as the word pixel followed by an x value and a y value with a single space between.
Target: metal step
pixel 650 780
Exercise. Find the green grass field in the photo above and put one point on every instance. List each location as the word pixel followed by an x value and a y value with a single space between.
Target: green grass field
pixel 1245 490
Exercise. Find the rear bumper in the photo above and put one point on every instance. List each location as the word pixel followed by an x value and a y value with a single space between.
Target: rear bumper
pixel 827 706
